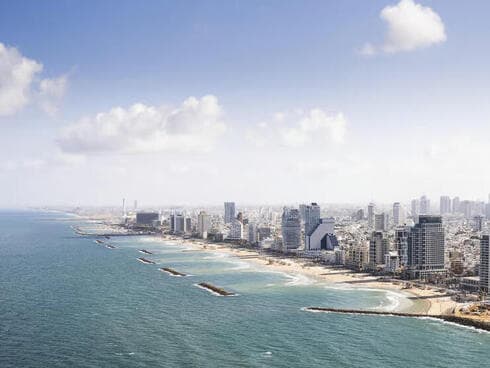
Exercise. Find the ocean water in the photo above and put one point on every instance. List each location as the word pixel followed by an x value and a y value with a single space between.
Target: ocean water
pixel 66 301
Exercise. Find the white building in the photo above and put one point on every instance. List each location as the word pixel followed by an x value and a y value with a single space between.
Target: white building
pixel 319 239
pixel 236 230
pixel 203 224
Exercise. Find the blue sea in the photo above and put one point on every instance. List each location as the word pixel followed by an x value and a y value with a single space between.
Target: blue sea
pixel 66 301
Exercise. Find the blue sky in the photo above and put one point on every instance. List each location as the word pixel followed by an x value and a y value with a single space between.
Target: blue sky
pixel 393 125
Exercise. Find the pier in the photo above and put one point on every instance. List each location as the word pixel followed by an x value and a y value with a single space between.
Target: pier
pixel 444 317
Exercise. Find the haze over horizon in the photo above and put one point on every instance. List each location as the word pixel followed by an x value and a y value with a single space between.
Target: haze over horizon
pixel 255 102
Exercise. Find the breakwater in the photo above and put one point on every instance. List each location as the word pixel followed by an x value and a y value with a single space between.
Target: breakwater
pixel 172 271
pixel 470 322
pixel 144 251
pixel 215 289
pixel 146 261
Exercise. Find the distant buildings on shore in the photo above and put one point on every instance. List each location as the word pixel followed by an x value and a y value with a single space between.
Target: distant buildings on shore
pixel 412 241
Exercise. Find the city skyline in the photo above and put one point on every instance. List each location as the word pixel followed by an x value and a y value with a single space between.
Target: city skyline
pixel 232 96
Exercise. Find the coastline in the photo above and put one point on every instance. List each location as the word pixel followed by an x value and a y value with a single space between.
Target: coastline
pixel 428 301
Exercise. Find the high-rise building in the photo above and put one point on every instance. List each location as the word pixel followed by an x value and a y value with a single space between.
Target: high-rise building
pixel 455 205
pixel 487 211
pixel 360 214
pixel 291 229
pixel 414 209
pixel 381 222
pixel 401 243
pixel 252 234
pixel 147 218
pixel 236 230
pixel 229 212
pixel 203 224
pixel 485 263
pixel 322 236
pixel 424 205
pixel 370 215
pixel 177 223
pixel 466 207
pixel 445 205
pixel 378 247
pixel 396 214
pixel 426 243
pixel 312 218
pixel 478 223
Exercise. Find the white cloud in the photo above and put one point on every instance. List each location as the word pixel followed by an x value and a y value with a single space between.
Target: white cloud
pixel 298 128
pixel 194 126
pixel 51 92
pixel 410 26
pixel 16 76
pixel 19 83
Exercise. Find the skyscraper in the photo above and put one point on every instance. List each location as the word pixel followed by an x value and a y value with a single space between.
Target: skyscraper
pixel 426 243
pixel 371 209
pixel 381 221
pixel 312 218
pixel 401 243
pixel 203 224
pixel 424 205
pixel 378 247
pixel 455 206
pixel 414 209
pixel 252 233
pixel 485 263
pixel 229 212
pixel 445 205
pixel 396 214
pixel 291 228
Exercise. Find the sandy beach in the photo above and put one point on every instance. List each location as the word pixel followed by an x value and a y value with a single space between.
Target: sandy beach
pixel 426 300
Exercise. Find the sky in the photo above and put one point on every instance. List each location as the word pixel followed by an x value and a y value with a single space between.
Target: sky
pixel 201 102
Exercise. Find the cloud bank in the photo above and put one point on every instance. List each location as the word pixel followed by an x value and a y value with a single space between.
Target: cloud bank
pixel 194 126
pixel 410 26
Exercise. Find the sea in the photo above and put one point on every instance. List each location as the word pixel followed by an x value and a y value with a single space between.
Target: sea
pixel 66 301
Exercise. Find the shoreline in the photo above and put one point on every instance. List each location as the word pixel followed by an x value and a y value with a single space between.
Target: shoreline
pixel 427 301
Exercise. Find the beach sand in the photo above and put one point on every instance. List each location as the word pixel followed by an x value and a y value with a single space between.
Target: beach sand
pixel 428 300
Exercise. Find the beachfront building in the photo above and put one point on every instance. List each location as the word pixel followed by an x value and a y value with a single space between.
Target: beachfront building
pixel 378 247
pixel 229 212
pixel 291 229
pixel 253 237
pixel 147 218
pixel 203 224
pixel 311 218
pixel 401 244
pixel 485 263
pixel 236 230
pixel 426 243
pixel 177 223
pixel 322 237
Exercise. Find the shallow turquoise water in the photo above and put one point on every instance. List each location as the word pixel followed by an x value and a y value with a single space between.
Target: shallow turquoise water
pixel 68 302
